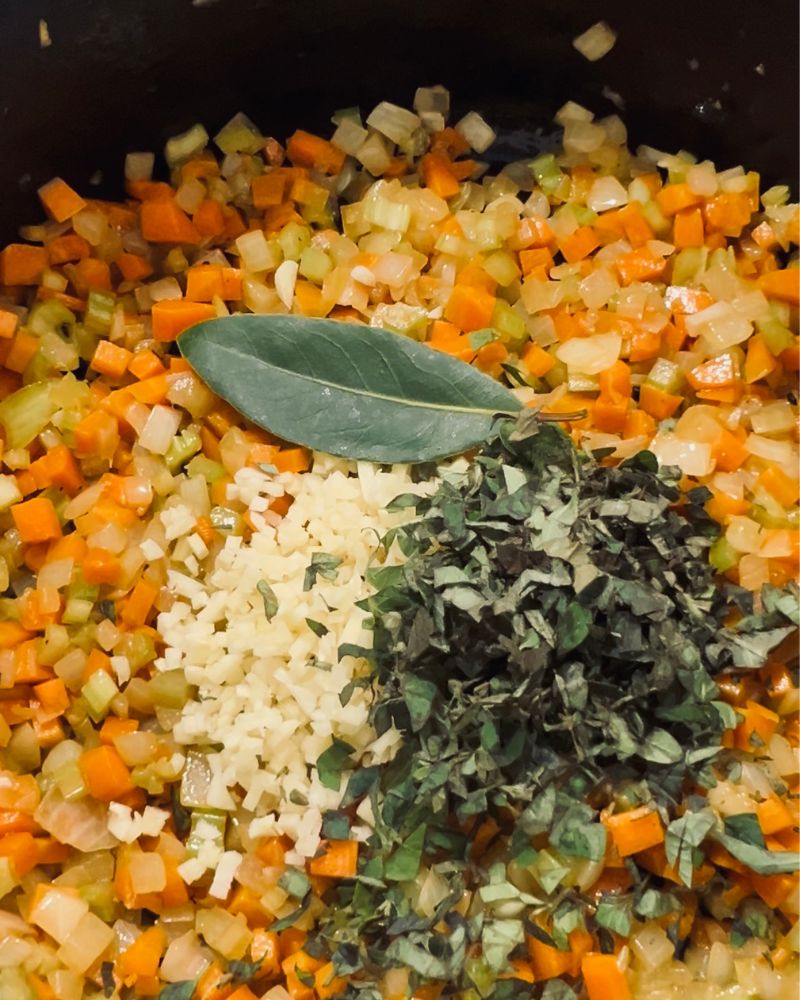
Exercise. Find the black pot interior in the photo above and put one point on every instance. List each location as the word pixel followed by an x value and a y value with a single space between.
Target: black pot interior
pixel 717 79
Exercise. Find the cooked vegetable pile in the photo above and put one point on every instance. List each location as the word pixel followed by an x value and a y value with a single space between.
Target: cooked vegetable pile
pixel 518 723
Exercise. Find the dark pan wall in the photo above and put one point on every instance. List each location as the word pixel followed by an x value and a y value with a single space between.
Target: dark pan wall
pixel 123 74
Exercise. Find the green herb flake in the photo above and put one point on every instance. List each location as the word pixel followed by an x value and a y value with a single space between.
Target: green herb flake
pixel 269 598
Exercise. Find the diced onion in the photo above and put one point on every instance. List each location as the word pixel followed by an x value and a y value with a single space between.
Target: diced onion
pixel 394 122
pixel 255 252
pixel 693 458
pixel 590 355
pixel 139 166
pixel 160 429
pixel 606 193
pixel 183 959
pixel 349 136
pixel 186 145
pixel 476 131
pixel 744 534
pixel 781 452
pixel 773 418
pixel 595 42
pixel 720 326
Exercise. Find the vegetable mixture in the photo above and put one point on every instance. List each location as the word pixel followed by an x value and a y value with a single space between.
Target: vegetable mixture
pixel 518 717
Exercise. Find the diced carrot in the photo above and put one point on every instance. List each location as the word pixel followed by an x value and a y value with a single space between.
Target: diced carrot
pixel 146 364
pixel 106 776
pixel 20 849
pixel 657 403
pixel 21 264
pixel 172 316
pixel 645 345
pixel 638 423
pixel 132 267
pixel 136 608
pixel 67 248
pixel 149 190
pixel 113 728
pixel 437 175
pixel 209 219
pixel 635 830
pixel 687 228
pixel 23 347
pixel 759 361
pixel 639 265
pixel 603 978
pixel 637 229
pixel 36 520
pixel 143 956
pixel 111 359
pixel 150 390
pixel 776 482
pixel 101 566
pixel 537 360
pixel 722 507
pixel 338 860
pixel 729 451
pixel 234 224
pixel 490 357
pixel 757 727
pixel 774 889
pixel 11 635
pixel 72 302
pixel 292 460
pixel 728 212
pixel 89 273
pixel 268 189
pixel 60 201
pixel 97 433
pixel 327 984
pixel 674 198
pixel 205 282
pixel 308 150
pixel 53 695
pixel 8 324
pixel 166 222
pixel 716 373
pixel 579 244
pixel 773 815
pixel 783 285
pixel 469 308
pixel 245 993
pixel 535 258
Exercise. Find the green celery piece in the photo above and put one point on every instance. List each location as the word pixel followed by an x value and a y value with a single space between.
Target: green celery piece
pixel 665 375
pixel 25 413
pixel 210 470
pixel 169 689
pixel 722 555
pixel 183 447
pixel 99 691
pixel 99 311
pixel 50 317
pixel 775 335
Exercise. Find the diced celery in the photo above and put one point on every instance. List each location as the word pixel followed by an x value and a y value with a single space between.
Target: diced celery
pixel 557 374
pixel 687 264
pixel 584 215
pixel 481 975
pixel 100 897
pixel 655 217
pixel 227 521
pixel 775 335
pixel 85 636
pixel 201 466
pixel 547 173
pixel 239 135
pixel 293 240
pixel 76 611
pixel 70 781
pixel 768 519
pixel 85 341
pixel 509 324
pixel 186 145
pixel 315 264
pixel 169 689
pixel 50 317
pixel 347 114
pixel 722 555
pixel 388 214
pixel 99 691
pixel 80 590
pixel 665 375
pixel 206 818
pixel 399 317
pixel 26 413
pixel 138 647
pixel 186 444
pixel 502 267
pixel 99 311
pixel 777 195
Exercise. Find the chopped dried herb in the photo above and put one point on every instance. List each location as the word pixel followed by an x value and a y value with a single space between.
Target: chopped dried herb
pixel 553 636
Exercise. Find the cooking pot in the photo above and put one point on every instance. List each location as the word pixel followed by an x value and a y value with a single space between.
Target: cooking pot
pixel 719 79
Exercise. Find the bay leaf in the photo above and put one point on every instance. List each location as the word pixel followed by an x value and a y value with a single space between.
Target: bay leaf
pixel 354 391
